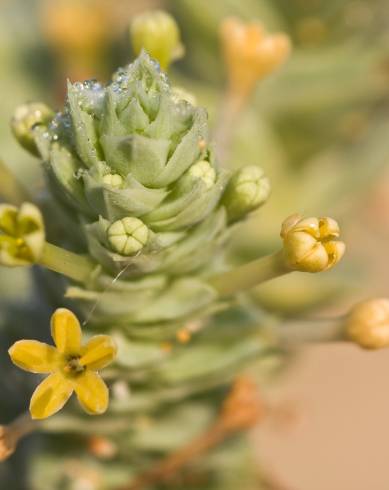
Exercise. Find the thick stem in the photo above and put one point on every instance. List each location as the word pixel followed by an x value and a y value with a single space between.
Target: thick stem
pixel 300 332
pixel 249 275
pixel 11 190
pixel 69 264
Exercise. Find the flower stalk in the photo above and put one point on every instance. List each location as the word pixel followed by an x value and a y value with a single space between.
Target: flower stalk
pixel 11 434
pixel 69 264
pixel 250 275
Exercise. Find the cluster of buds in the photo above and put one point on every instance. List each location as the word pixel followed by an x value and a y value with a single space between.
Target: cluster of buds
pixel 250 53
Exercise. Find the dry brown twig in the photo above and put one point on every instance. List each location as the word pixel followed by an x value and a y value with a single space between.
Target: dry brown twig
pixel 241 410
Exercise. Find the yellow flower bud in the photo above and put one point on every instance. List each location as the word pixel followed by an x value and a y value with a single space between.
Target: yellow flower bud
pixel 25 118
pixel 250 53
pixel 204 171
pixel 128 236
pixel 22 235
pixel 310 244
pixel 113 180
pixel 368 324
pixel 157 33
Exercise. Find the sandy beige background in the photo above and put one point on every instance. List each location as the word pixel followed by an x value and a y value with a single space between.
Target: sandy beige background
pixel 340 437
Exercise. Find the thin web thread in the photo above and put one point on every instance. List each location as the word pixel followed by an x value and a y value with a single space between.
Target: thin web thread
pixel 104 292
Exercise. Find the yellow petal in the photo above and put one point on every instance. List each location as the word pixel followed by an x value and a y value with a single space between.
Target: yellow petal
pixel 92 393
pixel 98 352
pixel 50 396
pixel 34 356
pixel 66 331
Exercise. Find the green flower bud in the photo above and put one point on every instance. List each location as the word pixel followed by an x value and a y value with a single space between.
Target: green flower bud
pixel 157 33
pixel 22 234
pixel 128 236
pixel 248 189
pixel 25 118
pixel 204 171
pixel 113 180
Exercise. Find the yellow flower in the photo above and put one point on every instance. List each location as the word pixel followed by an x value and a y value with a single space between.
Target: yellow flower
pixel 22 234
pixel 250 53
pixel 311 244
pixel 71 366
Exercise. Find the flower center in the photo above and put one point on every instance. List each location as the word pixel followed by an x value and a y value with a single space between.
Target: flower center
pixel 73 367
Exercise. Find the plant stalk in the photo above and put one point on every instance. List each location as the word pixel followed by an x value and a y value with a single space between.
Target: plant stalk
pixel 69 264
pixel 250 275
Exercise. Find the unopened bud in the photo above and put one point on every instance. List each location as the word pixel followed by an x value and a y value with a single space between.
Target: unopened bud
pixel 368 324
pixel 204 171
pixel 250 53
pixel 113 180
pixel 311 244
pixel 128 236
pixel 25 118
pixel 157 33
pixel 22 234
pixel 248 189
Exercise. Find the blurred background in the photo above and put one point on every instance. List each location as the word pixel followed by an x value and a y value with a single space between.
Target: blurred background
pixel 320 129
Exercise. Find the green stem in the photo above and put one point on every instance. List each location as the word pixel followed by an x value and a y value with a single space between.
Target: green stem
pixel 249 275
pixel 11 190
pixel 69 264
pixel 302 332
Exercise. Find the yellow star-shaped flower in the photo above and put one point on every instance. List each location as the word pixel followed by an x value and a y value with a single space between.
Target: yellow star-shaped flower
pixel 72 367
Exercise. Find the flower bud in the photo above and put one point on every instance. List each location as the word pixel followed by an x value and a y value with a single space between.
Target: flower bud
pixel 368 324
pixel 25 118
pixel 248 189
pixel 250 54
pixel 310 244
pixel 113 180
pixel 157 33
pixel 204 171
pixel 22 235
pixel 128 236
